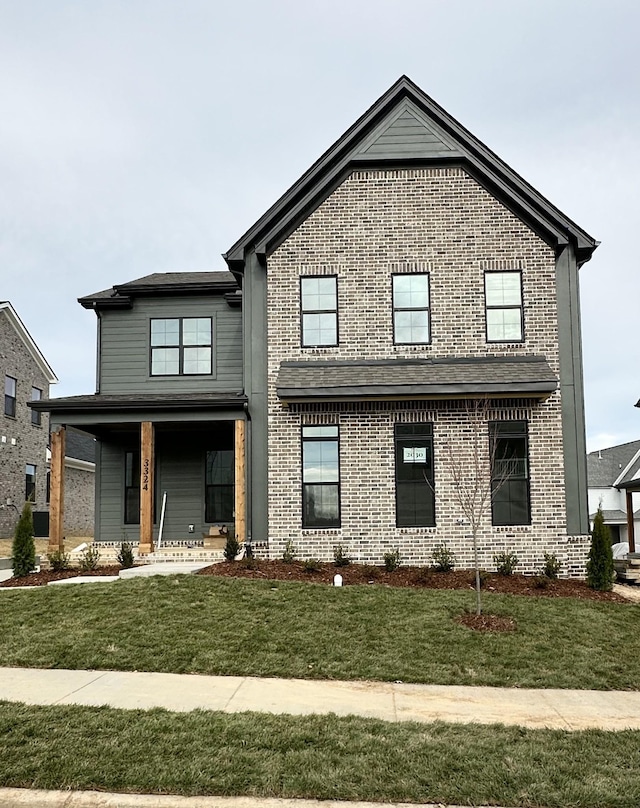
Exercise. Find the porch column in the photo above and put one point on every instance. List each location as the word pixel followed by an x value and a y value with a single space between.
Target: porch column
pixel 56 491
pixel 240 482
pixel 630 534
pixel 146 486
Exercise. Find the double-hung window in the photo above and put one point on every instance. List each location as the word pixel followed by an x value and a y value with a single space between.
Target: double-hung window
pixel 181 346
pixel 30 483
pixel 503 301
pixel 320 477
pixel 411 309
pixel 415 495
pixel 319 311
pixel 508 442
pixel 36 416
pixel 219 485
pixel 10 389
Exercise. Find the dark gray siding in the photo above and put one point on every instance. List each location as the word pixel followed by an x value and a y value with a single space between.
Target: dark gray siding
pixel 124 343
pixel 110 496
pixel 409 136
pixel 180 472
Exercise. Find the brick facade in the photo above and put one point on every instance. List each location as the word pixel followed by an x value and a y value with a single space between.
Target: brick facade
pixel 375 224
pixel 79 501
pixel 21 441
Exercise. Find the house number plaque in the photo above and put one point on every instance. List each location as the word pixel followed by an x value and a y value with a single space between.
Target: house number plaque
pixel 145 474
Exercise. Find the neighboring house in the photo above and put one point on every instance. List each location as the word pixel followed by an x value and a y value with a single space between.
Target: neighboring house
pixel 79 485
pixel 614 475
pixel 26 376
pixel 408 274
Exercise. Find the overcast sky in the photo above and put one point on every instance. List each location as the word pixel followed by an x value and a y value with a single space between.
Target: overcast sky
pixel 141 136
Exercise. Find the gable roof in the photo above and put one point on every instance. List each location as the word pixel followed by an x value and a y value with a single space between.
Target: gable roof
pixel 161 283
pixel 28 341
pixel 613 466
pixel 407 127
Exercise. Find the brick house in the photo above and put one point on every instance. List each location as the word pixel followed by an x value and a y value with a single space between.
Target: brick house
pixel 24 433
pixel 408 280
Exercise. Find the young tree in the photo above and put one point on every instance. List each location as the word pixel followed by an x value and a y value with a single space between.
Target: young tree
pixel 23 551
pixel 600 563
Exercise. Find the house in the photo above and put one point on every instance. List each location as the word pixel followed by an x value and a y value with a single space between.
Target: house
pixel 614 475
pixel 24 433
pixel 313 393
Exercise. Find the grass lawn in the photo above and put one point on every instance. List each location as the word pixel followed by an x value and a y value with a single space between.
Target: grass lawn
pixel 325 757
pixel 187 624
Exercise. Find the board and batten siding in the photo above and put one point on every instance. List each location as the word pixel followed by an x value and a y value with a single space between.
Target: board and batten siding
pixel 111 496
pixel 125 350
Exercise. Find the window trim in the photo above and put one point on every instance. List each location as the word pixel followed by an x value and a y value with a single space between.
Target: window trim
pixel 338 484
pixel 319 311
pixel 10 398
pixel 395 308
pixel 181 346
pixel 493 434
pixel 429 484
pixel 36 415
pixel 487 308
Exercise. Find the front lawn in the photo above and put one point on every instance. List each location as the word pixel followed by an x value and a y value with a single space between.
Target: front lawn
pixel 324 757
pixel 187 624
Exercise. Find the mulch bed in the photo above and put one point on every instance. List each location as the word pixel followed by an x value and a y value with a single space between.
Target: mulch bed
pixel 43 578
pixel 419 577
pixel 487 622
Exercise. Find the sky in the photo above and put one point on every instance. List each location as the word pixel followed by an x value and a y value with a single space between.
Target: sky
pixel 141 136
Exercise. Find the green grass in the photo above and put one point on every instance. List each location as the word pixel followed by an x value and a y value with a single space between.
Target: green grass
pixel 223 626
pixel 325 757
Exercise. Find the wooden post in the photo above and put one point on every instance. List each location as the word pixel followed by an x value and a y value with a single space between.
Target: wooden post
pixel 146 486
pixel 240 482
pixel 56 492
pixel 630 533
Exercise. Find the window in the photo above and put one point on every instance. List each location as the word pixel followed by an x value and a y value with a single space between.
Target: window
pixel 132 488
pixel 181 346
pixel 503 299
pixel 319 307
pixel 30 483
pixel 411 309
pixel 320 477
pixel 36 395
pixel 509 448
pixel 10 387
pixel 219 485
pixel 415 495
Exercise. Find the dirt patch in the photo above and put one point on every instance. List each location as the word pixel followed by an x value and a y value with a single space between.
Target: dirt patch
pixel 419 577
pixel 43 578
pixel 487 622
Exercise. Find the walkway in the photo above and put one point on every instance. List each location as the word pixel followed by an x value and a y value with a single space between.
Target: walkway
pixel 556 709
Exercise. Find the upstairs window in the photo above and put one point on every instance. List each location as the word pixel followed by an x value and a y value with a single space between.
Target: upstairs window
pixel 30 483
pixel 10 388
pixel 509 473
pixel 319 308
pixel 411 309
pixel 181 346
pixel 36 416
pixel 503 301
pixel 320 477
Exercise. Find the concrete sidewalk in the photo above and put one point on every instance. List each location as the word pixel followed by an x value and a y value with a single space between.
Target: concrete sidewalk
pixel 556 709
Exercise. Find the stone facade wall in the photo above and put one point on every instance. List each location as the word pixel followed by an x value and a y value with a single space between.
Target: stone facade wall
pixel 79 502
pixel 377 223
pixel 30 439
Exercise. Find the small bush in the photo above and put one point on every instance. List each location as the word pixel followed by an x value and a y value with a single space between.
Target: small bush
pixel 289 553
pixel 248 562
pixel 371 572
pixel 541 581
pixel 90 558
pixel 59 560
pixel 422 576
pixel 23 550
pixel 505 563
pixel 551 567
pixel 485 577
pixel 125 555
pixel 311 565
pixel 392 560
pixel 600 564
pixel 231 548
pixel 340 557
pixel 443 559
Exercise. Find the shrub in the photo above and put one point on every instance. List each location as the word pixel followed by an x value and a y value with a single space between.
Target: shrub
pixel 23 551
pixel 311 565
pixel 248 562
pixel 421 576
pixel 371 572
pixel 600 563
pixel 505 563
pixel 392 560
pixel 340 557
pixel 59 560
pixel 289 553
pixel 551 567
pixel 89 558
pixel 443 559
pixel 125 555
pixel 231 548
pixel 541 581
